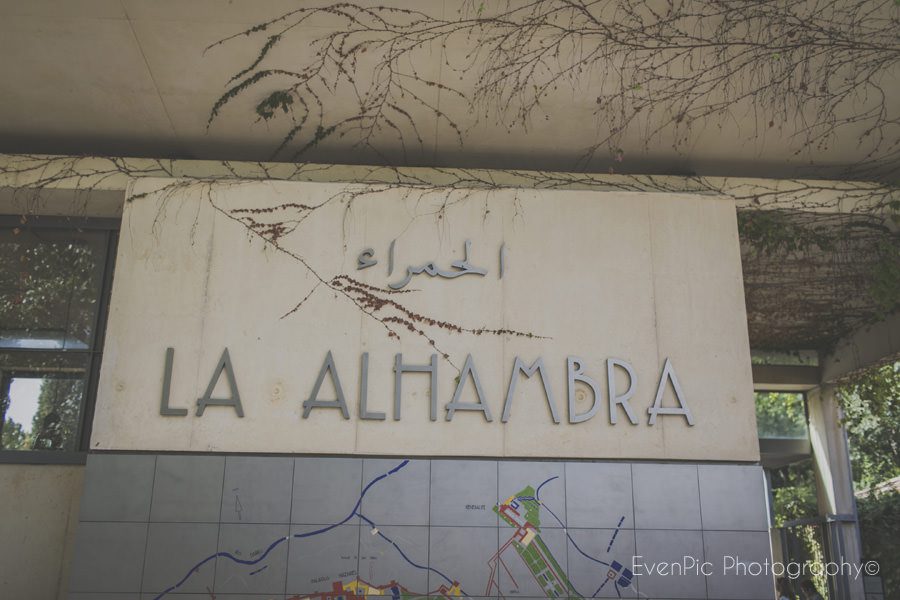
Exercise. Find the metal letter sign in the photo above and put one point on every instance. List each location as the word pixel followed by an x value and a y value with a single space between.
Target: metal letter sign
pixel 234 400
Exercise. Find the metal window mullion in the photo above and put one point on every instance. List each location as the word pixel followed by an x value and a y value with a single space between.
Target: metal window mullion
pixel 5 384
pixel 86 418
pixel 83 432
pixel 105 292
pixel 54 351
pixel 61 223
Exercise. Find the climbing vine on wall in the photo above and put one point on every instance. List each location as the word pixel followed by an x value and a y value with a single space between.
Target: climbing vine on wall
pixel 818 256
pixel 854 257
pixel 814 72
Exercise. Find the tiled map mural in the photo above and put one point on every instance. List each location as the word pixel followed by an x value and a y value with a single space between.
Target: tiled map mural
pixel 235 527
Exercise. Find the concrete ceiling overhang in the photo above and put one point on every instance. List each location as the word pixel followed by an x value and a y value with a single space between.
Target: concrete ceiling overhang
pixel 138 78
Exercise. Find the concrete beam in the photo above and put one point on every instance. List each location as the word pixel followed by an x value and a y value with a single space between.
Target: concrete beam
pixel 867 347
pixel 115 173
pixel 785 378
pixel 837 503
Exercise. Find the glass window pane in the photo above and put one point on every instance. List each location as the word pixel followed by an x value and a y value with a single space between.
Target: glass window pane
pixel 41 399
pixel 50 285
pixel 781 415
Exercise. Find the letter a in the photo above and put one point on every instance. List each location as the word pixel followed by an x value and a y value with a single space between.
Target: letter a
pixel 668 374
pixel 455 404
pixel 328 368
pixel 234 400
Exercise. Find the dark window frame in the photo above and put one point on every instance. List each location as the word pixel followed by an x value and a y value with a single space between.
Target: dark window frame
pixel 94 355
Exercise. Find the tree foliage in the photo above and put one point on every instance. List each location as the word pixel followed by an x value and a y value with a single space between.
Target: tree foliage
pixel 794 493
pixel 13 436
pixel 47 287
pixel 871 403
pixel 55 423
pixel 794 498
pixel 780 415
pixel 879 520
pixel 48 296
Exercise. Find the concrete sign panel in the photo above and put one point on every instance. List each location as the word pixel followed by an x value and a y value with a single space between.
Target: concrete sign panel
pixel 327 318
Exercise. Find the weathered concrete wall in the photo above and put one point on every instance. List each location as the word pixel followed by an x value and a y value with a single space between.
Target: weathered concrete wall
pixel 268 270
pixel 37 528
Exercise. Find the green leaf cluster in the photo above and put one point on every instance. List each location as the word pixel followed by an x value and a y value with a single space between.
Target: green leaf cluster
pixel 879 521
pixel 772 232
pixel 871 404
pixel 794 493
pixel 780 415
pixel 279 99
pixel 794 497
pixel 885 275
pixel 55 422
pixel 49 287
